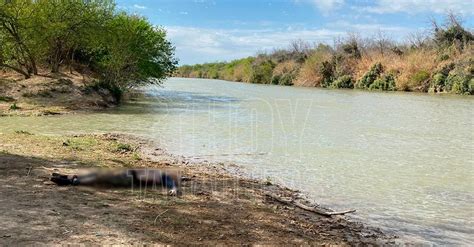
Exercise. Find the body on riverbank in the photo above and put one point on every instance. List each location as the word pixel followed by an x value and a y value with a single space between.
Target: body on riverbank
pixel 402 160
pixel 216 207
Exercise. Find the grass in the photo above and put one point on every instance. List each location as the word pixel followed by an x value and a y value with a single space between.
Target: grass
pixel 6 99
pixel 23 132
pixel 119 147
pixel 91 150
pixel 14 107
pixel 82 144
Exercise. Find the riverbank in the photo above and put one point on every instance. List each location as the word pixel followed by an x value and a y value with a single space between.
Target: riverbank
pixel 439 63
pixel 51 94
pixel 216 207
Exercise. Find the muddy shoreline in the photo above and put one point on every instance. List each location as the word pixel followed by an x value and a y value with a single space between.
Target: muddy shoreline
pixel 218 205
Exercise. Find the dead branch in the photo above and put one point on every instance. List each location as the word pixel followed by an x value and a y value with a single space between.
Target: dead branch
pixel 307 208
pixel 29 171
pixel 158 216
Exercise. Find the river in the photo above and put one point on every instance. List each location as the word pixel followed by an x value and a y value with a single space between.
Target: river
pixel 403 160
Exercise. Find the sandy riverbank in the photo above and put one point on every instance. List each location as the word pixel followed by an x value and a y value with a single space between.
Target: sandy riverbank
pixel 51 94
pixel 216 207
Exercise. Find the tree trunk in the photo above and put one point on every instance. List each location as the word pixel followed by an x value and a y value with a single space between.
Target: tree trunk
pixel 56 58
pixel 26 74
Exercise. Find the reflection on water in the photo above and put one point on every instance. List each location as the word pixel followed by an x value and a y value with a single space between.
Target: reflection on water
pixel 404 161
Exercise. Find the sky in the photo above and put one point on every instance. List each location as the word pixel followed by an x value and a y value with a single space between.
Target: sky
pixel 222 30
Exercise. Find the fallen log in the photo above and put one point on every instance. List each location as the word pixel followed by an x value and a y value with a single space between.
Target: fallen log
pixel 307 208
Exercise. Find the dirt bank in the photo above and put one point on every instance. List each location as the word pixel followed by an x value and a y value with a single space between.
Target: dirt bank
pixel 50 94
pixel 215 208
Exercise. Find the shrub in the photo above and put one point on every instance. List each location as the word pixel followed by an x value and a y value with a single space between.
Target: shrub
pixel 438 83
pixel 14 107
pixel 326 69
pixel 310 72
pixel 284 73
pixel 453 33
pixel 384 83
pixel 370 76
pixel 262 72
pixel 459 83
pixel 343 82
pixel 420 77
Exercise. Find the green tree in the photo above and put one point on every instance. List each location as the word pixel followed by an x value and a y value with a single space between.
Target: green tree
pixel 134 53
pixel 16 47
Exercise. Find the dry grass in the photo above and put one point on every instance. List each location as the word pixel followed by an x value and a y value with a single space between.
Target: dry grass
pixel 286 67
pixel 310 75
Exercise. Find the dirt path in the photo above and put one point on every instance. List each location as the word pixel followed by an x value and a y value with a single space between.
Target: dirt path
pixel 216 208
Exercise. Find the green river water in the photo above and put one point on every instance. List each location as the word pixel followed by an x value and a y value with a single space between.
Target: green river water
pixel 404 161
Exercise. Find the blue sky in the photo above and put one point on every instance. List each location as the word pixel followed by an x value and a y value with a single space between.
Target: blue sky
pixel 219 30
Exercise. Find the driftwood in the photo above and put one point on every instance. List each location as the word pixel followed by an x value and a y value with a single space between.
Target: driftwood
pixel 307 208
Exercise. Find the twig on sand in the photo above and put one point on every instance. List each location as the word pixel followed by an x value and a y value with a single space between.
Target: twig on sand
pixel 307 208
pixel 156 218
pixel 29 171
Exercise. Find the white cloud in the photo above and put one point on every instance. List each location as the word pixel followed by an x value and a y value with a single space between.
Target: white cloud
pixel 197 45
pixel 368 29
pixel 326 6
pixel 417 6
pixel 139 6
pixel 183 13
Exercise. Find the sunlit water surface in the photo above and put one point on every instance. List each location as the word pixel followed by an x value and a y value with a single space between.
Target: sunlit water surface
pixel 404 161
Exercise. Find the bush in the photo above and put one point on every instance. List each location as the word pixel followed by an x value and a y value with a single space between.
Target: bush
pixel 326 69
pixel 370 76
pixel 420 77
pixel 459 83
pixel 310 73
pixel 438 83
pixel 14 107
pixel 262 72
pixel 284 73
pixel 343 82
pixel 453 33
pixel 384 83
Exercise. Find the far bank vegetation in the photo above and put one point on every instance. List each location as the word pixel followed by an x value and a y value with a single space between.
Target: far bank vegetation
pixel 442 61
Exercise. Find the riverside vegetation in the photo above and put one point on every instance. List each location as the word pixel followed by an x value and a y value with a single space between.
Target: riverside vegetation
pixel 442 62
pixel 113 51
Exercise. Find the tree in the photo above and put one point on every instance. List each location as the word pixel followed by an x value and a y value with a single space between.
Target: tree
pixel 123 50
pixel 134 53
pixel 66 25
pixel 16 49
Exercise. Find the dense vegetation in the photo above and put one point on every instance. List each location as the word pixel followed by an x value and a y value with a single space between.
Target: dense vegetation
pixel 89 36
pixel 441 62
